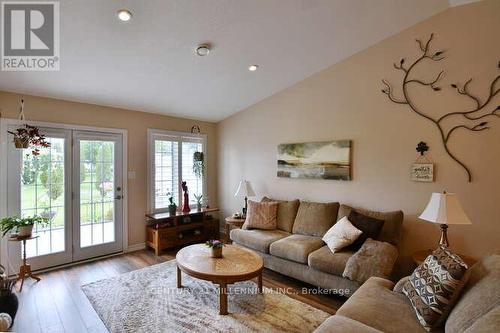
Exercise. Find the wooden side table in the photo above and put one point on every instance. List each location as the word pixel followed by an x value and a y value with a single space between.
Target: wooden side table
pixel 25 269
pixel 419 257
pixel 230 221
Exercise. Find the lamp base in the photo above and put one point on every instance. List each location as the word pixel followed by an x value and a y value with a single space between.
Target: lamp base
pixel 443 241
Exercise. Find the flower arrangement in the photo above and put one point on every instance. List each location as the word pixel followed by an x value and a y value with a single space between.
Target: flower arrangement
pixel 198 164
pixel 214 243
pixel 29 136
pixel 215 246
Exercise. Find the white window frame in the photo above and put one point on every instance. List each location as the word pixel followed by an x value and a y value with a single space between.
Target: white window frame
pixel 180 137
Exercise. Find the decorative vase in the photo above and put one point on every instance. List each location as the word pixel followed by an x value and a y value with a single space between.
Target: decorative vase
pixel 21 143
pixel 172 210
pixel 216 252
pixel 185 208
pixel 25 230
pixel 9 303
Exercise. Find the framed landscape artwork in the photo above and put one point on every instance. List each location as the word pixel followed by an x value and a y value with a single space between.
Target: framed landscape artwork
pixel 316 160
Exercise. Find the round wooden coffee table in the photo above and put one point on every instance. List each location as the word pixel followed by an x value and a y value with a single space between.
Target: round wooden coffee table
pixel 237 264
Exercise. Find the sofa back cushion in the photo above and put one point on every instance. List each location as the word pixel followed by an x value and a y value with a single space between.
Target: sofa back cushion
pixel 480 296
pixel 314 218
pixel 261 215
pixel 287 210
pixel 391 231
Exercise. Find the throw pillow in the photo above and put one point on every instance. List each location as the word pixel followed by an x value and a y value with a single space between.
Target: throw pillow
pixel 261 215
pixel 434 286
pixel 287 210
pixel 371 228
pixel 342 234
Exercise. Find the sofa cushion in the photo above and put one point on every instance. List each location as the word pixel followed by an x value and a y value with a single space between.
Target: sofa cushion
pixel 295 247
pixel 342 234
pixel 341 324
pixel 287 210
pixel 391 231
pixel 333 263
pixel 434 286
pixel 489 322
pixel 370 227
pixel 314 218
pixel 376 305
pixel 480 295
pixel 261 215
pixel 257 239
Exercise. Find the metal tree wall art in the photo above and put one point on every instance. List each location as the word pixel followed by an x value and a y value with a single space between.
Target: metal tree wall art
pixel 473 120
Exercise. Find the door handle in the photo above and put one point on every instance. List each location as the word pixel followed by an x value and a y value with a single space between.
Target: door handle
pixel 118 197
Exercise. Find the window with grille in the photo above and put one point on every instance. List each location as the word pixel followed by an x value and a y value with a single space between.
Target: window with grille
pixel 171 159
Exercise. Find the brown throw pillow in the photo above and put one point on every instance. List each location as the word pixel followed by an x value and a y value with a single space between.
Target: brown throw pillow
pixel 371 228
pixel 261 215
pixel 434 287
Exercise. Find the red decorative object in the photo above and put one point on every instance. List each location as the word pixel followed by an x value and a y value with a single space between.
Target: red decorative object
pixel 185 208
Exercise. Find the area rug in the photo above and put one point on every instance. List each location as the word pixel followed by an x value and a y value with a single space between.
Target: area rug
pixel 147 300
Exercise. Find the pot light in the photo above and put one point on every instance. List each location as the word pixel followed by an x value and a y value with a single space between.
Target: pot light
pixel 253 68
pixel 202 50
pixel 124 15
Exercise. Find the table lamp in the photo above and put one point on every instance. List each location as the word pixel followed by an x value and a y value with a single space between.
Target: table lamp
pixel 444 209
pixel 244 190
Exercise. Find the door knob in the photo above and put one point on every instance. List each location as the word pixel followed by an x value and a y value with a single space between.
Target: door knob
pixel 118 197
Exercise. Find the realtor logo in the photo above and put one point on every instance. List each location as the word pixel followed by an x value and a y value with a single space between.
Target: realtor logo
pixel 30 36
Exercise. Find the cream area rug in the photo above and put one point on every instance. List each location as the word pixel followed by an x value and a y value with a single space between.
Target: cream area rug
pixel 147 300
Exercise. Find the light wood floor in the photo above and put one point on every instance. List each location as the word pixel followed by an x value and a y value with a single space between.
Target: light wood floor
pixel 57 303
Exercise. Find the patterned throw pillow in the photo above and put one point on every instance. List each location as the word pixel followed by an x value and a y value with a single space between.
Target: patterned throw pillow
pixel 434 286
pixel 261 215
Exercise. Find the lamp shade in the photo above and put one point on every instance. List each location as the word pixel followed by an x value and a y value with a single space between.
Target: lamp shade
pixel 244 189
pixel 444 208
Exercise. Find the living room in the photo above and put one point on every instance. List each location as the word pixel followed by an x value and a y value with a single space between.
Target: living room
pixel 254 166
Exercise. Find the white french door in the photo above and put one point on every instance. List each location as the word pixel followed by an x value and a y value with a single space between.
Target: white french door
pixel 97 183
pixel 76 184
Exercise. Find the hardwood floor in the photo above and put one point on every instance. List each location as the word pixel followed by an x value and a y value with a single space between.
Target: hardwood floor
pixel 57 303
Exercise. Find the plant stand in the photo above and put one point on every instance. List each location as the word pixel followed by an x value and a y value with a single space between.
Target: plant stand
pixel 25 269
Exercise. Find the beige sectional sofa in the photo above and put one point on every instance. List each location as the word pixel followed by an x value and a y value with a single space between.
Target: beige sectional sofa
pixel 295 249
pixel 379 306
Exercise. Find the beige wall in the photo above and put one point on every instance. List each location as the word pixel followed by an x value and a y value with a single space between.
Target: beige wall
pixel 136 124
pixel 345 102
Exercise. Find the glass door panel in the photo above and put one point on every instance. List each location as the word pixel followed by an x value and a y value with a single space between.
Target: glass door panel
pixel 98 194
pixel 39 185
pixel 42 194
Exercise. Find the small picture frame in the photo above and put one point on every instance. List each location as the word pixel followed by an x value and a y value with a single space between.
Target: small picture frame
pixel 422 172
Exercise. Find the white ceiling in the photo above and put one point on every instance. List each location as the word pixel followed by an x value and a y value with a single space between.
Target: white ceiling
pixel 148 64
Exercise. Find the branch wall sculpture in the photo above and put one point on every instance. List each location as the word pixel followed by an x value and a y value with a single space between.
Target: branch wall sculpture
pixel 478 113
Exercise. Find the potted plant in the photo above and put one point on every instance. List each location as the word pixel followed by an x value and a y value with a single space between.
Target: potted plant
pixel 29 136
pixel 23 225
pixel 216 248
pixel 8 300
pixel 198 164
pixel 172 208
pixel 198 198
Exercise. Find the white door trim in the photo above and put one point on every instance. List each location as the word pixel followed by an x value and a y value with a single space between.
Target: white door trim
pixel 5 139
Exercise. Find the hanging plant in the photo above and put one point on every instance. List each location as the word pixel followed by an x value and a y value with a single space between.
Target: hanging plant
pixel 28 136
pixel 198 164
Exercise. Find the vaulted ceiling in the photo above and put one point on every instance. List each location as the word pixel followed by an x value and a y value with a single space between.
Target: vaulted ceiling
pixel 148 64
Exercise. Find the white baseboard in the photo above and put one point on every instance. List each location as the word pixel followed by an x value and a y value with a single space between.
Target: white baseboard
pixel 135 247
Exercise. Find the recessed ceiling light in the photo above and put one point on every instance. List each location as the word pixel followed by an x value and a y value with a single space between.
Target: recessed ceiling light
pixel 202 50
pixel 253 68
pixel 124 15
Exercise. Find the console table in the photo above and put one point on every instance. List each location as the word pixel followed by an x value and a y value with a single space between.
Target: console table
pixel 166 231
